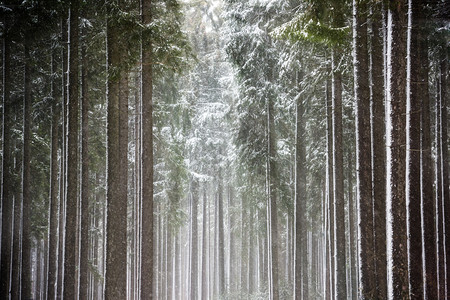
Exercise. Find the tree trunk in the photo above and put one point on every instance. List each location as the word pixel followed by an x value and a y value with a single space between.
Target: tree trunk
pixel 84 237
pixel 26 179
pixel 7 167
pixel 445 171
pixel 364 154
pixel 338 183
pixel 413 187
pixel 204 281
pixel 221 235
pixel 147 160
pixel 331 275
pixel 300 200
pixel 63 162
pixel 397 254
pixel 70 260
pixel 116 231
pixel 194 239
pixel 379 149
pixel 17 235
pixel 272 186
pixel 439 196
pixel 53 222
pixel 429 202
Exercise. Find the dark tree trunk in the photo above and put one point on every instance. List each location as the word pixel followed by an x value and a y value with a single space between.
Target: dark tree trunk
pixel 26 179
pixel 439 196
pixel 364 154
pixel 194 239
pixel 221 235
pixel 272 186
pixel 17 238
pixel 7 167
pixel 300 200
pixel 70 260
pixel 116 238
pixel 398 286
pixel 429 202
pixel 84 237
pixel 413 188
pixel 330 200
pixel 147 161
pixel 445 179
pixel 338 183
pixel 53 222
pixel 379 149
pixel 63 161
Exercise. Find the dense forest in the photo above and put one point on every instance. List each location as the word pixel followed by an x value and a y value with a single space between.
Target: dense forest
pixel 225 149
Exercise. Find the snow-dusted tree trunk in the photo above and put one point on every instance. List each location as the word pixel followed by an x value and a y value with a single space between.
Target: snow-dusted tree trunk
pixel 413 168
pixel 194 240
pixel 397 252
pixel 367 271
pixel 26 176
pixel 300 273
pixel 272 228
pixel 204 278
pixel 7 165
pixel 338 181
pixel 147 161
pixel 84 237
pixel 378 146
pixel 53 212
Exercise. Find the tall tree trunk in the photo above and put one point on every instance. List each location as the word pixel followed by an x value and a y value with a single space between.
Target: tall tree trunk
pixel 272 210
pixel 63 160
pixel 379 148
pixel 116 231
pixel 70 260
pixel 17 234
pixel 194 239
pixel 413 186
pixel 439 196
pixel 147 160
pixel 445 171
pixel 300 199
pixel 7 167
pixel 364 154
pixel 221 235
pixel 338 182
pixel 428 196
pixel 352 232
pixel 26 179
pixel 53 220
pixel 329 105
pixel 397 252
pixel 84 237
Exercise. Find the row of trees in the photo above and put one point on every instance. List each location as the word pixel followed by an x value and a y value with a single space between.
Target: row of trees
pixel 225 149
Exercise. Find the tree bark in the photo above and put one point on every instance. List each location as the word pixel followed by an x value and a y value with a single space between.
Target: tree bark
pixel 300 200
pixel 272 186
pixel 147 160
pixel 70 260
pixel 338 182
pixel 116 231
pixel 379 148
pixel 7 167
pixel 221 235
pixel 413 187
pixel 397 252
pixel 194 239
pixel 84 237
pixel 53 221
pixel 364 152
pixel 26 179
